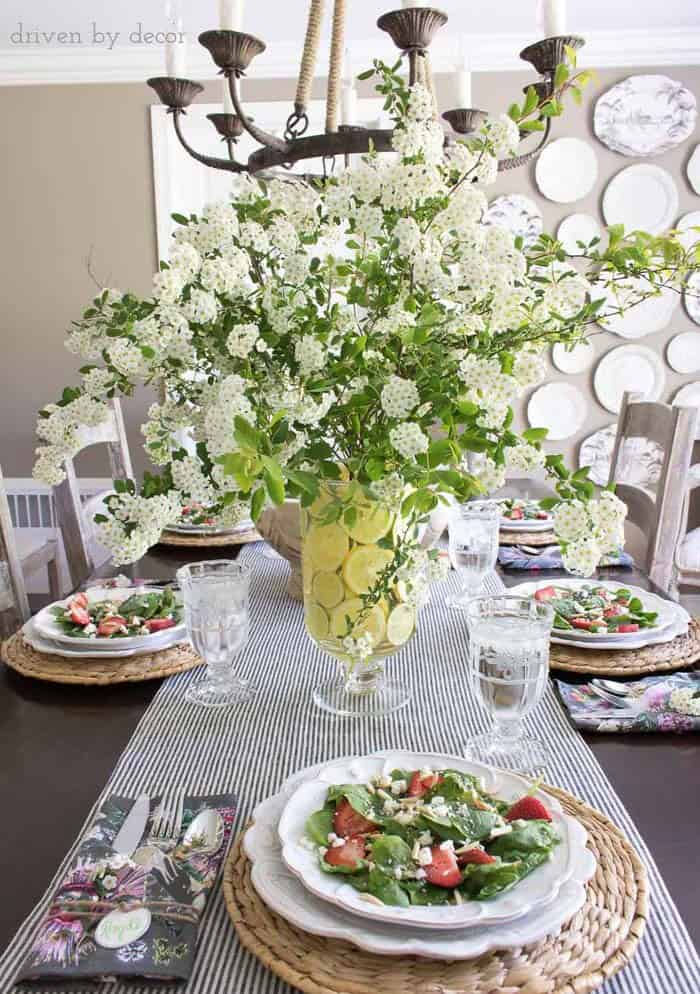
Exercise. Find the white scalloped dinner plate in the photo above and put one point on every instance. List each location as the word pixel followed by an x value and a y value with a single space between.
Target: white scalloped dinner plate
pixel 642 198
pixel 47 627
pixel 285 894
pixel 643 115
pixel 642 318
pixel 533 892
pixel 578 228
pixel 566 170
pixel 691 297
pixel 684 228
pixel 533 525
pixel 561 408
pixel 573 360
pixel 628 367
pixel 683 352
pixel 36 641
pixel 516 213
pixel 184 529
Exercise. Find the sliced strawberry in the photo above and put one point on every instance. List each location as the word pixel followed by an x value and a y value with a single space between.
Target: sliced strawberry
pixel 443 870
pixel 79 616
pixel 421 785
pixel 542 515
pixel 585 623
pixel 347 822
pixel 613 610
pixel 517 514
pixel 529 808
pixel 475 855
pixel 349 854
pixel 630 627
pixel 159 624
pixel 545 594
pixel 79 600
pixel 109 626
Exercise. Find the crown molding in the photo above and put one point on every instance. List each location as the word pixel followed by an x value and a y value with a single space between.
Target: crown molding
pixel 24 65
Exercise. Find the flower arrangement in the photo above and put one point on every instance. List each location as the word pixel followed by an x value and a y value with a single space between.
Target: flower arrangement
pixel 371 325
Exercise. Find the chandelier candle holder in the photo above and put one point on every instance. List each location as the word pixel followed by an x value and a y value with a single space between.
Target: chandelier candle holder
pixel 411 29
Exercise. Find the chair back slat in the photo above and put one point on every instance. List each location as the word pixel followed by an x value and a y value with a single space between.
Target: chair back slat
pixel 9 555
pixel 661 516
pixel 68 502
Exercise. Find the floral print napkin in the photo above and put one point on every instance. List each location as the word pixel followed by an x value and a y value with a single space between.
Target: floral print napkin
pixel 662 703
pixel 170 890
pixel 513 557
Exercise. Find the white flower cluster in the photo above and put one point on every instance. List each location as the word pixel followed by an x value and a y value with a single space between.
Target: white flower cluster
pixel 590 530
pixel 61 430
pixel 310 354
pixel 189 479
pixel 399 397
pixel 408 439
pixel 242 339
pixel 136 524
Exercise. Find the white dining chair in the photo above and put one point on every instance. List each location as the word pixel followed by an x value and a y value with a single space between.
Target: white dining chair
pixel 657 507
pixel 75 518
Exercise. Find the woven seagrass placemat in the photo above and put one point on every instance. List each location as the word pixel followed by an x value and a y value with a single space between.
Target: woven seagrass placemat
pixel 526 538
pixel 93 670
pixel 181 541
pixel 593 945
pixel 674 655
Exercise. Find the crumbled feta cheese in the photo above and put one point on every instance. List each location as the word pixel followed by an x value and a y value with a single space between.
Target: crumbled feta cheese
pixel 425 839
pixel 398 787
pixel 335 841
pixel 426 772
pixel 384 781
pixel 439 810
pixel 447 846
pixel 390 806
pixel 144 631
pixel 420 873
pixel 425 856
pixel 438 800
pixel 398 872
pixel 323 850
pixel 405 817
pixel 136 620
pixel 500 830
pixel 90 628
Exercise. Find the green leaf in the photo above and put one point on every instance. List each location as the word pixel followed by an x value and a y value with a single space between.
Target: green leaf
pixel 441 451
pixel 531 101
pixel 319 825
pixel 244 433
pixel 531 126
pixel 535 434
pixel 305 481
pixel 179 218
pixel 257 503
pixel 274 481
pixel 561 75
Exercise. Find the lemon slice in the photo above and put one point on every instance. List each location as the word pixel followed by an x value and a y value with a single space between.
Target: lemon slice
pixel 363 566
pixel 316 620
pixel 400 624
pixel 327 545
pixel 373 621
pixel 328 589
pixel 372 523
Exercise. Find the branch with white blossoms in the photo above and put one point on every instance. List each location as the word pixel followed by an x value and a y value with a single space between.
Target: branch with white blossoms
pixel 371 327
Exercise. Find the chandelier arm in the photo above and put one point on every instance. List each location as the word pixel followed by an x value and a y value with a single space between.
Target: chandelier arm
pixel 522 160
pixel 229 164
pixel 335 65
pixel 309 54
pixel 429 82
pixel 264 137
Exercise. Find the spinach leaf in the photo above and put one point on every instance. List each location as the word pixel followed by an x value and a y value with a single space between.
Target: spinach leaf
pixel 359 798
pixel 532 837
pixel 142 605
pixel 421 892
pixel 320 824
pixel 455 786
pixel 390 851
pixel 482 881
pixel 387 889
pixel 474 825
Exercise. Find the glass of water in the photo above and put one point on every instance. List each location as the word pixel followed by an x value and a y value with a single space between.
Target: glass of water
pixel 215 596
pixel 473 546
pixel 508 669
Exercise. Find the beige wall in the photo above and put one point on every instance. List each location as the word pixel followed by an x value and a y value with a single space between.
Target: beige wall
pixel 76 181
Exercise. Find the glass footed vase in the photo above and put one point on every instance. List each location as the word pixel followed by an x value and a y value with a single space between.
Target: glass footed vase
pixel 356 608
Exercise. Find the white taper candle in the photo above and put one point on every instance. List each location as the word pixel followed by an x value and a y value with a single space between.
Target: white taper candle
pixel 553 17
pixel 176 52
pixel 231 15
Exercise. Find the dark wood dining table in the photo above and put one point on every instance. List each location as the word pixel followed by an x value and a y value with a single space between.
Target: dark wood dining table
pixel 59 745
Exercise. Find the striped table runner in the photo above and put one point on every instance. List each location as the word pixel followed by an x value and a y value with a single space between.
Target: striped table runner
pixel 251 750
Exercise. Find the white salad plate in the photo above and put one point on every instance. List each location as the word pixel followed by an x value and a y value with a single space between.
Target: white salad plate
pixel 561 408
pixel 642 198
pixel 691 297
pixel 185 529
pixel 533 892
pixel 645 115
pixel 643 318
pixel 628 367
pixel 669 614
pixel 576 359
pixel 47 627
pixel 684 229
pixel 679 628
pixel 566 170
pixel 693 169
pixel 683 352
pixel 285 894
pixel 518 214
pixel 578 228
pixel 36 641
pixel 533 525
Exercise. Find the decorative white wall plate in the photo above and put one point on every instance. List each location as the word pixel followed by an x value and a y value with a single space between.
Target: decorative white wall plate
pixel 683 352
pixel 685 225
pixel 640 460
pixel 573 360
pixel 517 214
pixel 689 396
pixel 643 318
pixel 691 297
pixel 561 408
pixel 642 198
pixel 566 170
pixel 645 115
pixel 693 169
pixel 578 228
pixel 628 367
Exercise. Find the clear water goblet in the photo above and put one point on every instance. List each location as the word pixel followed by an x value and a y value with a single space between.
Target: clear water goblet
pixel 216 601
pixel 473 547
pixel 508 670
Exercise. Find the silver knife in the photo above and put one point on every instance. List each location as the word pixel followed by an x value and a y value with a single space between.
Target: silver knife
pixel 129 835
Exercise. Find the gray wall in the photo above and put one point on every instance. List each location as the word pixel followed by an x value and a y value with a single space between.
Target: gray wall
pixel 76 182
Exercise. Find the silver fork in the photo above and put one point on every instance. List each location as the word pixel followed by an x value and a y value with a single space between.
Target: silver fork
pixel 167 820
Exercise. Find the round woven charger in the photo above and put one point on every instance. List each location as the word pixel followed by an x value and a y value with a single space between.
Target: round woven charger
pixel 526 538
pixel 593 945
pixel 181 541
pixel 93 670
pixel 674 655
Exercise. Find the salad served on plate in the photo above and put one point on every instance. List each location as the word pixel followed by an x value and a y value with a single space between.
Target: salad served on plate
pixel 144 613
pixel 429 837
pixel 514 509
pixel 597 609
